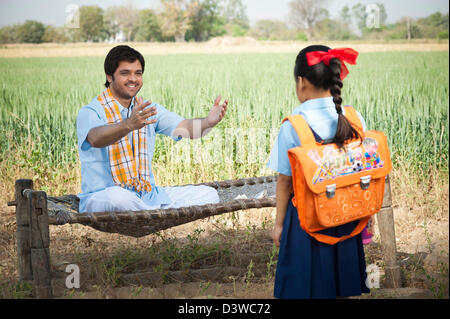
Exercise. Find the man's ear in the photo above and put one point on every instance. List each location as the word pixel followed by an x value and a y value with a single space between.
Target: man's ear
pixel 109 78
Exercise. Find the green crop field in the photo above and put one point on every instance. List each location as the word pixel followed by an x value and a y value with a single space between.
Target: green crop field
pixel 404 94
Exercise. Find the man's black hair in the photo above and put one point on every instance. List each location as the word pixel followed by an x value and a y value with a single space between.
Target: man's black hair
pixel 118 54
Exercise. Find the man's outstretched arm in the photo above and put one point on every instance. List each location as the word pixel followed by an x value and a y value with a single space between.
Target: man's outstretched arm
pixel 197 128
pixel 102 136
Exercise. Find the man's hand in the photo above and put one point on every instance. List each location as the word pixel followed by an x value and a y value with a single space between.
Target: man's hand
pixel 217 112
pixel 140 114
pixel 197 128
pixel 106 135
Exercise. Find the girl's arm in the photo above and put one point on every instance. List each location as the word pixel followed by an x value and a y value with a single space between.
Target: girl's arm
pixel 284 191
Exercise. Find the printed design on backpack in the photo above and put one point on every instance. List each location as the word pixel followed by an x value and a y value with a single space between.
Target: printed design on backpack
pixel 337 162
pixel 349 203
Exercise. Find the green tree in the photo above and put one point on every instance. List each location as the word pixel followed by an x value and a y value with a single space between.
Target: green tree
pixel 346 15
pixel 437 20
pixel 304 14
pixel 344 25
pixel 91 24
pixel 331 29
pixel 31 32
pixel 235 13
pixel 54 35
pixel 111 23
pixel 268 29
pixel 432 25
pixel 205 21
pixel 236 30
pixel 123 19
pixel 148 27
pixel 174 18
pixel 10 34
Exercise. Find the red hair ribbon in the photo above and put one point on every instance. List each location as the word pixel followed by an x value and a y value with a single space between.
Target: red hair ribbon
pixel 344 54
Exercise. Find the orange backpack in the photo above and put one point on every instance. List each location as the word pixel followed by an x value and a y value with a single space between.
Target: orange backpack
pixel 333 187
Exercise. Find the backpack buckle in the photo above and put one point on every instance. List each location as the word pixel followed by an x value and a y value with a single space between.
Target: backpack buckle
pixel 365 182
pixel 331 190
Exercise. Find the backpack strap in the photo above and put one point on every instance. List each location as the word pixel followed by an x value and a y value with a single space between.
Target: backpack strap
pixel 307 136
pixel 331 240
pixel 353 118
pixel 302 128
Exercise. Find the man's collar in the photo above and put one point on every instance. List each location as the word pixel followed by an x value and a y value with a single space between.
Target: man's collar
pixel 122 107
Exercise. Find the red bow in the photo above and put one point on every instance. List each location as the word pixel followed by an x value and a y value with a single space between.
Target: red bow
pixel 344 54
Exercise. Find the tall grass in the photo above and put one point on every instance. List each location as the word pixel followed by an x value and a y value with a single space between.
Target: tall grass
pixel 404 94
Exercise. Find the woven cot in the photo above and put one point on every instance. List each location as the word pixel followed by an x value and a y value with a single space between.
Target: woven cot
pixel 35 211
pixel 241 194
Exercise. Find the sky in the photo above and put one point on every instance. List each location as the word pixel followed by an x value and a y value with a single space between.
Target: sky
pixel 53 12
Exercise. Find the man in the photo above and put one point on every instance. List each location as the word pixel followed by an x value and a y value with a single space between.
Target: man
pixel 116 140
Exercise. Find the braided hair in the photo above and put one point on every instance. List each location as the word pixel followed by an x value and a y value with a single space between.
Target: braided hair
pixel 327 78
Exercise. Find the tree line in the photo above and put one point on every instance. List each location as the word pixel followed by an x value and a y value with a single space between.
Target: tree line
pixel 200 20
pixel 363 22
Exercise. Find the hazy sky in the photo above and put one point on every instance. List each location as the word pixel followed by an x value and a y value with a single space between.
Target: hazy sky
pixel 54 11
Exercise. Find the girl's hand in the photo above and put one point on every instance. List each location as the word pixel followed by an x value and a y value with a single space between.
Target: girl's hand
pixel 276 234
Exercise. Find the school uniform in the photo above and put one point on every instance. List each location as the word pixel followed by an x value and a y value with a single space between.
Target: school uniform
pixel 98 190
pixel 307 268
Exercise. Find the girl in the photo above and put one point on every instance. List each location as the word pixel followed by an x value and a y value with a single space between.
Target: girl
pixel 307 268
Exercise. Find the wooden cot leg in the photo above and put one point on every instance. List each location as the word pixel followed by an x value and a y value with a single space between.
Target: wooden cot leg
pixel 385 221
pixel 40 242
pixel 23 230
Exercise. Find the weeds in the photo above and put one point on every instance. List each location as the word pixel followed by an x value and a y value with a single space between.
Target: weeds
pixel 427 235
pixel 270 271
pixel 249 276
pixel 136 291
pixel 438 288
pixel 22 290
pixel 439 278
pixel 204 287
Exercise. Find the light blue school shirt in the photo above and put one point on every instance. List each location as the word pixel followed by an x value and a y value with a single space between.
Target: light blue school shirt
pixel 95 167
pixel 321 116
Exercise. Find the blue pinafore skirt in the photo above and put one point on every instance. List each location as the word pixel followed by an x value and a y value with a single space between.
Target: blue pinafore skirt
pixel 307 268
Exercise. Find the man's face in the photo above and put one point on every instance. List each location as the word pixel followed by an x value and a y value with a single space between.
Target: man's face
pixel 127 79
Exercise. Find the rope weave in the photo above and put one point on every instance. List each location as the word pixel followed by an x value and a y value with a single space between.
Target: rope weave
pixel 142 223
